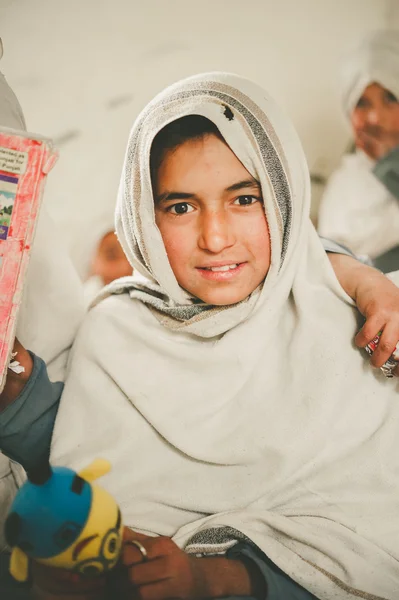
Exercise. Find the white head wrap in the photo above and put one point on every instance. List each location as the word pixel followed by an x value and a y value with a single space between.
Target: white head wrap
pixel 376 59
pixel 135 213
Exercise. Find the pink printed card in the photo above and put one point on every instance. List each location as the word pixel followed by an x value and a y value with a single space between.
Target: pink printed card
pixel 25 160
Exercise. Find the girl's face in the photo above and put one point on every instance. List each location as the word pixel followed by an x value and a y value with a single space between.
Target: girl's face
pixel 375 120
pixel 210 213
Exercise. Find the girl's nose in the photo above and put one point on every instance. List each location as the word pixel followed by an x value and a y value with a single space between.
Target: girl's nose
pixel 216 233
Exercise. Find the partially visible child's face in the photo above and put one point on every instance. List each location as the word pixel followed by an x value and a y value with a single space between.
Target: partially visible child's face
pixel 375 121
pixel 210 213
pixel 110 261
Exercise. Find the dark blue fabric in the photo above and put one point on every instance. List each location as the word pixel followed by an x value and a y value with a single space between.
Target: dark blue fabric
pixel 279 585
pixel 387 171
pixel 26 425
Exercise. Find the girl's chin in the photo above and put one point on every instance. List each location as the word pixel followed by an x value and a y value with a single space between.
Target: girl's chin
pixel 220 297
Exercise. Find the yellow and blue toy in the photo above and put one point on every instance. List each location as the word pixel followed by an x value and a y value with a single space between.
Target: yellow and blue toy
pixel 60 519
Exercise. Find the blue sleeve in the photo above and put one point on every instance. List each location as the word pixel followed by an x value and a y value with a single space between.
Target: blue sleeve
pixel 387 171
pixel 279 585
pixel 335 248
pixel 26 425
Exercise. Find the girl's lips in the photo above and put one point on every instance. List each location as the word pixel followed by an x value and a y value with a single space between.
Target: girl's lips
pixel 221 275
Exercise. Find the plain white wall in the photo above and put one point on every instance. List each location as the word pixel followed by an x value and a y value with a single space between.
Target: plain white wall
pixel 84 68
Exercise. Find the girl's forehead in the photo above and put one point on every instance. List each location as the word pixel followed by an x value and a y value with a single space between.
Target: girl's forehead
pixel 205 163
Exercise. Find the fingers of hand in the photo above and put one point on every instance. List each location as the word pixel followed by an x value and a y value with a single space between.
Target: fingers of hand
pixel 370 329
pixel 386 345
pixel 132 540
pixel 131 554
pixel 168 566
pixel 155 547
pixel 159 569
pixel 130 534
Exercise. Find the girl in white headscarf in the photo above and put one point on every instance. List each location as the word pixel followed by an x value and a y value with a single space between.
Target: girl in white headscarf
pixel 360 206
pixel 219 382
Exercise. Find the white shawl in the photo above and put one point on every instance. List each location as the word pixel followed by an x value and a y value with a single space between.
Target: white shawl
pixel 357 210
pixel 375 60
pixel 260 419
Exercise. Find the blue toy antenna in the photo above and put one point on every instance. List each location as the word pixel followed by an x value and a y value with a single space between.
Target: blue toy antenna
pixel 40 474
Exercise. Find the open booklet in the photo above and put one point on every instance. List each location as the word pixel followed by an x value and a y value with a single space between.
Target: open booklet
pixel 25 160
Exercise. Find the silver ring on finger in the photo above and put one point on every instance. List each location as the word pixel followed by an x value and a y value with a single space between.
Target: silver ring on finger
pixel 140 548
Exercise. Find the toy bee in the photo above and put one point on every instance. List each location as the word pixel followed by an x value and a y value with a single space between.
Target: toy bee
pixel 60 519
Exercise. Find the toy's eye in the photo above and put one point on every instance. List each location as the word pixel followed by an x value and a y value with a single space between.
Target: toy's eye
pixel 66 534
pixel 111 545
pixel 91 568
pixel 78 484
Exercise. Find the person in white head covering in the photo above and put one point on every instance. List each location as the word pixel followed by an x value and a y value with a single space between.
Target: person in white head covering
pixel 360 206
pixel 219 381
pixel 52 304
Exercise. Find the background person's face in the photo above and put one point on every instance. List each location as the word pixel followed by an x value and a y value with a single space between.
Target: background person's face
pixel 210 213
pixel 110 261
pixel 375 121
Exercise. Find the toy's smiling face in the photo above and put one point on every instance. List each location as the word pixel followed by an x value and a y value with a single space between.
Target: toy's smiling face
pixel 98 546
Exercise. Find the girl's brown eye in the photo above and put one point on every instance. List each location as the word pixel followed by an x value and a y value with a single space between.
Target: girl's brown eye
pixel 246 200
pixel 181 208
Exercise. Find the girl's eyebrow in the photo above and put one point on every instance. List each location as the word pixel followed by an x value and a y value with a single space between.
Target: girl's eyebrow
pixel 246 183
pixel 166 196
pixel 240 185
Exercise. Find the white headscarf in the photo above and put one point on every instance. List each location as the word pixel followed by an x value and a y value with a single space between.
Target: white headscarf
pixel 135 224
pixel 376 59
pixel 257 420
